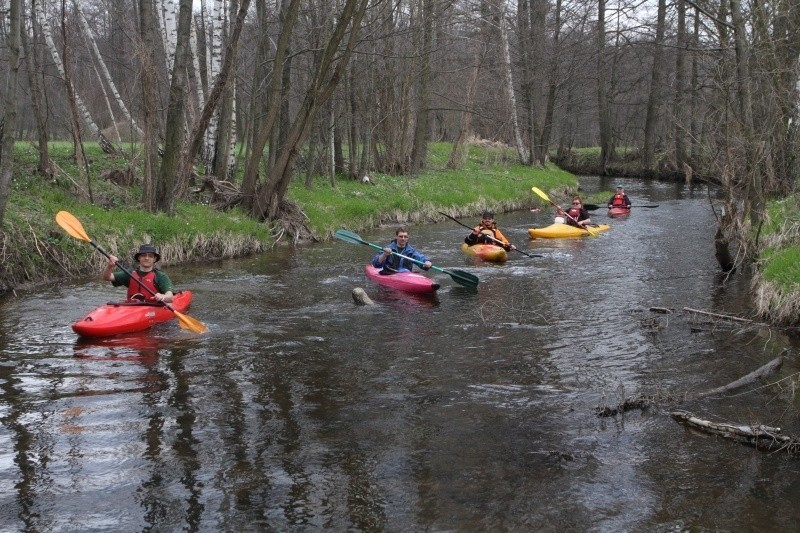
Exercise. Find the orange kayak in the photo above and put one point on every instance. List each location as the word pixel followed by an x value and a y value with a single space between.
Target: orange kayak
pixel 487 252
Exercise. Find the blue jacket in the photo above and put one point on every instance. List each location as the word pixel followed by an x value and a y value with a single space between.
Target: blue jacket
pixel 398 263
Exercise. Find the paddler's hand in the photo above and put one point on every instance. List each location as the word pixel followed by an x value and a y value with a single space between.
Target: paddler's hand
pixel 427 265
pixel 108 271
pixel 512 247
pixel 387 251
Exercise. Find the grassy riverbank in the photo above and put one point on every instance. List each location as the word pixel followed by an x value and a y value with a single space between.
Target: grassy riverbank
pixel 35 250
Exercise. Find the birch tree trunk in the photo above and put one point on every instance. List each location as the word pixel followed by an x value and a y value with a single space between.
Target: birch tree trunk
pixel 81 163
pixel 512 100
pixel 51 45
pixel 99 61
pixel 200 127
pixel 10 115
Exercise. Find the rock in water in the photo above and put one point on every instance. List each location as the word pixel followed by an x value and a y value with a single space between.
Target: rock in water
pixel 361 298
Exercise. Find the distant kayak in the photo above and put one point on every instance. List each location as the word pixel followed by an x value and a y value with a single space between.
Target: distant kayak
pixel 128 317
pixel 565 231
pixel 403 281
pixel 618 211
pixel 487 252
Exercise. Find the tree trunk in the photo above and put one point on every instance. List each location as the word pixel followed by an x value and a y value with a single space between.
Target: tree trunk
pixel 680 89
pixel 554 74
pixel 51 45
pixel 199 128
pixel 604 118
pixel 262 135
pixel 81 162
pixel 104 69
pixel 510 92
pixel 38 98
pixel 419 151
pixel 147 57
pixel 10 115
pixel 173 137
pixel 654 99
pixel 324 81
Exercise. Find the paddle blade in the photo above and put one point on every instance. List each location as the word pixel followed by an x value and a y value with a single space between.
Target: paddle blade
pixel 189 323
pixel 349 236
pixel 72 225
pixel 540 193
pixel 463 278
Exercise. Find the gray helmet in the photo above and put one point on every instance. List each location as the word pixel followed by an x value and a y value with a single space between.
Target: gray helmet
pixel 147 249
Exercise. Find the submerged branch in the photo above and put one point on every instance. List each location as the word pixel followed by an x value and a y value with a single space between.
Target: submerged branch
pixel 643 402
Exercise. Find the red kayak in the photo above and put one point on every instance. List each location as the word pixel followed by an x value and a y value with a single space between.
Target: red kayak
pixel 128 317
pixel 618 211
pixel 403 281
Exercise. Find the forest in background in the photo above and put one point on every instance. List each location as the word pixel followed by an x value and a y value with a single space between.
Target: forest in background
pixel 260 93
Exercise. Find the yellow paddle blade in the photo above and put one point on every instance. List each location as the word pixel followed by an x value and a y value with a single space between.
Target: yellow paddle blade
pixel 72 225
pixel 540 193
pixel 192 324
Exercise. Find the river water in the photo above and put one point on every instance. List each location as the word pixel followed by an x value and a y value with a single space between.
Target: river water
pixel 474 410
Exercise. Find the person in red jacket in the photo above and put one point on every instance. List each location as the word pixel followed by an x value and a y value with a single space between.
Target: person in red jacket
pixel 146 273
pixel 620 199
pixel 576 215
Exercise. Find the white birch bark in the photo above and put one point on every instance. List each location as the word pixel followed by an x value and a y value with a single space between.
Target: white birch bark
pixel 48 36
pixel 106 74
pixel 169 29
pixel 512 100
pixel 215 38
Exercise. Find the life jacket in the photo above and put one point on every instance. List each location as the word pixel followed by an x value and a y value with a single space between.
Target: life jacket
pixel 618 200
pixel 148 279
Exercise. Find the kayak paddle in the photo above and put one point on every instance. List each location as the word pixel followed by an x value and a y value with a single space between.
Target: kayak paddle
pixel 544 196
pixel 594 207
pixel 489 236
pixel 74 227
pixel 459 276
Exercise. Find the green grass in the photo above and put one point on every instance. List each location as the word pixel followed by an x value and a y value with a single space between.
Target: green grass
pixel 489 180
pixel 782 266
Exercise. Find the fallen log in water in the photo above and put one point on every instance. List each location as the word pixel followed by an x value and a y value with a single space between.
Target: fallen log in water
pixel 642 402
pixel 757 435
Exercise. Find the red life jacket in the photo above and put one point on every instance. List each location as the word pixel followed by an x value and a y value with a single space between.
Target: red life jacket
pixel 618 200
pixel 574 212
pixel 148 279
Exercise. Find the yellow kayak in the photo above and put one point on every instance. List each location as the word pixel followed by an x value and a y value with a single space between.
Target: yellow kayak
pixel 565 231
pixel 487 252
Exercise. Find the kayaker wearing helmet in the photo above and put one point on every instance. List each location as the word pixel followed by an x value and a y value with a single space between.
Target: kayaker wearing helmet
pixel 146 272
pixel 389 263
pixel 577 215
pixel 620 199
pixel 487 233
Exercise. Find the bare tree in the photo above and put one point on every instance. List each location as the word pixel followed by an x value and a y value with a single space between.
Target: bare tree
pixel 10 115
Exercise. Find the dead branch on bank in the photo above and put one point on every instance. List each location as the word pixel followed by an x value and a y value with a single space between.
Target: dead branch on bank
pixel 643 402
pixel 757 435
